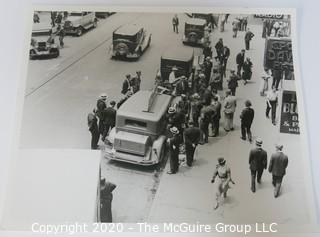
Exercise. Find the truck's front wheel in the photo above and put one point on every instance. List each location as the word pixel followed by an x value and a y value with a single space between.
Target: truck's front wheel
pixel 79 31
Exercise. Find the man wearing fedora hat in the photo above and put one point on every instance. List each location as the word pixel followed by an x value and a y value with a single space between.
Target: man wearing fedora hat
pixel 174 144
pixel 277 167
pixel 233 82
pixel 224 174
pixel 246 117
pixel 258 162
pixel 106 197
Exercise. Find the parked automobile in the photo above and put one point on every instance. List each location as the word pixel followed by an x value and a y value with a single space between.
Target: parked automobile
pixel 139 134
pixel 194 31
pixel 77 22
pixel 42 47
pixel 130 41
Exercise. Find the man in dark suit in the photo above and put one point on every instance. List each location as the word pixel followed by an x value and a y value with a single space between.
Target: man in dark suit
pixel 240 61
pixel 174 144
pixel 246 116
pixel 247 38
pixel 191 139
pixel 126 85
pixel 182 86
pixel 216 115
pixel 277 166
pixel 258 162
pixel 219 48
pixel 110 119
pixel 224 59
pixel 106 197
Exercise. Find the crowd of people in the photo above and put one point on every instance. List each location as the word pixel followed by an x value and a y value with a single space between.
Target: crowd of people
pixel 103 118
pixel 204 102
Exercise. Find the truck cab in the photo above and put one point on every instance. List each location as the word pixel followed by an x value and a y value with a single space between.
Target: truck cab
pixel 139 134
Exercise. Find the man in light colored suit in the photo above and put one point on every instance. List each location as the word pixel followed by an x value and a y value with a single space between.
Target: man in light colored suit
pixel 230 104
pixel 277 167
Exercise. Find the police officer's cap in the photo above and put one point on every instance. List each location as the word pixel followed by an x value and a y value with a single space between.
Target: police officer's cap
pixel 103 96
pixel 174 130
pixel 221 161
pixel 171 110
pixel 258 142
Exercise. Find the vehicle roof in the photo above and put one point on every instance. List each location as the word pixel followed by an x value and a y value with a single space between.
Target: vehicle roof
pixel 178 53
pixel 129 29
pixel 136 106
pixel 196 21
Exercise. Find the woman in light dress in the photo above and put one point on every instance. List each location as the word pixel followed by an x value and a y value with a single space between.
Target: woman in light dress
pixel 265 78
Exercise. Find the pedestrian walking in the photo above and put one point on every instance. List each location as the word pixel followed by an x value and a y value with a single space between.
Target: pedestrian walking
pixel 216 80
pixel 272 102
pixel 246 117
pixel 230 103
pixel 235 28
pixel 224 178
pixel 106 196
pixel 240 61
pixel 126 85
pixel 247 70
pixel 219 49
pixel 94 130
pixel 191 141
pixel 224 57
pixel 174 144
pixel 233 82
pixel 265 78
pixel 258 161
pixel 247 38
pixel 277 167
pixel 277 77
pixel 61 33
pixel 175 23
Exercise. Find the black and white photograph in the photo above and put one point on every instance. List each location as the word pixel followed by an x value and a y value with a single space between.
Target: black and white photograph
pixel 161 116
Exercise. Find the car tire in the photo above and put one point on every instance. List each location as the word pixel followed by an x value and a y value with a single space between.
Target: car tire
pixel 79 31
pixel 32 54
pixel 95 23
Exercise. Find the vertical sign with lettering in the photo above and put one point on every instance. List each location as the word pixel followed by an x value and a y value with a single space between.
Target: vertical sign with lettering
pixel 278 54
pixel 289 121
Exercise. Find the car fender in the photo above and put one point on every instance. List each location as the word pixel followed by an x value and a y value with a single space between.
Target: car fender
pixel 157 147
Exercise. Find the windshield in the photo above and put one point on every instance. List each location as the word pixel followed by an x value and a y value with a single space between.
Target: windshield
pixel 76 14
pixel 131 38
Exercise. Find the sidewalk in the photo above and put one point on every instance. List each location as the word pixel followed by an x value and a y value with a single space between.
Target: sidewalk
pixel 188 196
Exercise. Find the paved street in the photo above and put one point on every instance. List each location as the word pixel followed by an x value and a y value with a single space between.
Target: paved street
pixel 61 92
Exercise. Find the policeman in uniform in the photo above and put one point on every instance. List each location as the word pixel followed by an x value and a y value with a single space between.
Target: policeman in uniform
pixel 224 178
pixel 106 197
pixel 174 144
pixel 191 140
